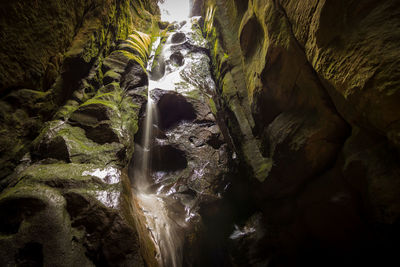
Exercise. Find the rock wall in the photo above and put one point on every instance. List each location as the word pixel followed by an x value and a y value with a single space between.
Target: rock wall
pixel 68 201
pixel 309 92
pixel 46 49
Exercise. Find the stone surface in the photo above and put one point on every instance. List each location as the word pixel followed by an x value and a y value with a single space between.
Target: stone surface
pixel 311 86
pixel 46 50
pixel 305 95
pixel 69 201
pixel 190 159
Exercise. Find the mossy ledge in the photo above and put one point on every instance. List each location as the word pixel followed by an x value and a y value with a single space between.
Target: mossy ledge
pixel 46 49
pixel 69 111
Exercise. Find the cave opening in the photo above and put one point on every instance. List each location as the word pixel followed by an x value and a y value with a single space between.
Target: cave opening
pixel 174 10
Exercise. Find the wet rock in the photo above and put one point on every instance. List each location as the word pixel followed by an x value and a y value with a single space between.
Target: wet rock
pixel 178 37
pixel 246 241
pixel 189 157
pixel 177 58
pixel 202 168
pixel 90 115
pixel 173 108
pixel 167 158
pixel 134 77
pixel 163 25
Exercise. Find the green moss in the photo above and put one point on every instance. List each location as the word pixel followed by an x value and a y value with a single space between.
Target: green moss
pixel 69 175
pixel 65 111
pixel 83 150
pixel 212 106
pixel 195 94
pixel 111 76
pixel 99 101
pixel 61 171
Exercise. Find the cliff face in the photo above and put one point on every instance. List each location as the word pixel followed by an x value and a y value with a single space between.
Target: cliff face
pixel 309 90
pixel 72 85
pixel 45 51
pixel 306 96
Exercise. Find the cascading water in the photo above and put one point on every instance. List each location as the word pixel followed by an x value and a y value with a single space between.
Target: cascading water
pixel 164 230
pixel 180 161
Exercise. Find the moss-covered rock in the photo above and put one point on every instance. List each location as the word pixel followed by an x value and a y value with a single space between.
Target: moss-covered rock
pixel 49 49
pixel 71 186
pixel 67 210
pixel 312 85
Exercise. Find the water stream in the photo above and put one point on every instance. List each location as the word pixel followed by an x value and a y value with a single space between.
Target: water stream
pixel 168 200
pixel 163 229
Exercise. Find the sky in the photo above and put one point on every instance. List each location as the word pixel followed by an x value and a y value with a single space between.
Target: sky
pixel 174 10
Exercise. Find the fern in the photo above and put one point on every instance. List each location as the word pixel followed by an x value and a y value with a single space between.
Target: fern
pixel 140 42
pixel 209 20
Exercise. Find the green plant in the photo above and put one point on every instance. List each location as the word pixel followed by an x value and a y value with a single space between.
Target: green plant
pixel 140 42
pixel 209 20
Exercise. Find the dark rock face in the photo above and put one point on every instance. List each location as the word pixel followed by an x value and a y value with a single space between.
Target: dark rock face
pixel 191 144
pixel 178 37
pixel 46 49
pixel 312 87
pixel 307 98
pixel 68 202
pixel 190 159
pixel 174 109
pixel 177 58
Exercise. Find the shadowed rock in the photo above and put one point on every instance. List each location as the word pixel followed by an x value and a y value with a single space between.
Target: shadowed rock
pixel 173 108
pixel 178 37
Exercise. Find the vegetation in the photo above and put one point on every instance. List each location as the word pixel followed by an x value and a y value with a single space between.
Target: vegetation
pixel 209 20
pixel 140 42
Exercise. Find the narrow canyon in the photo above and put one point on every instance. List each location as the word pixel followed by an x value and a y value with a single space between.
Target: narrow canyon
pixel 170 133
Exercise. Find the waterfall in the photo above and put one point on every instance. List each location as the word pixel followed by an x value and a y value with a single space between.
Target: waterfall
pixel 167 200
pixel 164 230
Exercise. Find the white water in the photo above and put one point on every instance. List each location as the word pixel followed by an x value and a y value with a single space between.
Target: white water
pixel 163 228
pixel 166 227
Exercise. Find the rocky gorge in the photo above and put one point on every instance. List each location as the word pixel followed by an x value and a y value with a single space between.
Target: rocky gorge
pixel 256 133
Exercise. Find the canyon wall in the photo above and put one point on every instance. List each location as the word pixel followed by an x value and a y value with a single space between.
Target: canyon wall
pixel 310 93
pixel 46 49
pixel 306 96
pixel 72 85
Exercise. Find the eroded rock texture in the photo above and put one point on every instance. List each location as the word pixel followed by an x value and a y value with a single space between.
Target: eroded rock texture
pixel 190 160
pixel 68 201
pixel 310 91
pixel 46 48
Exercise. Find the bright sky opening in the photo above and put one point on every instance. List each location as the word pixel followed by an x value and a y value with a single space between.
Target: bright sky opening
pixel 175 10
